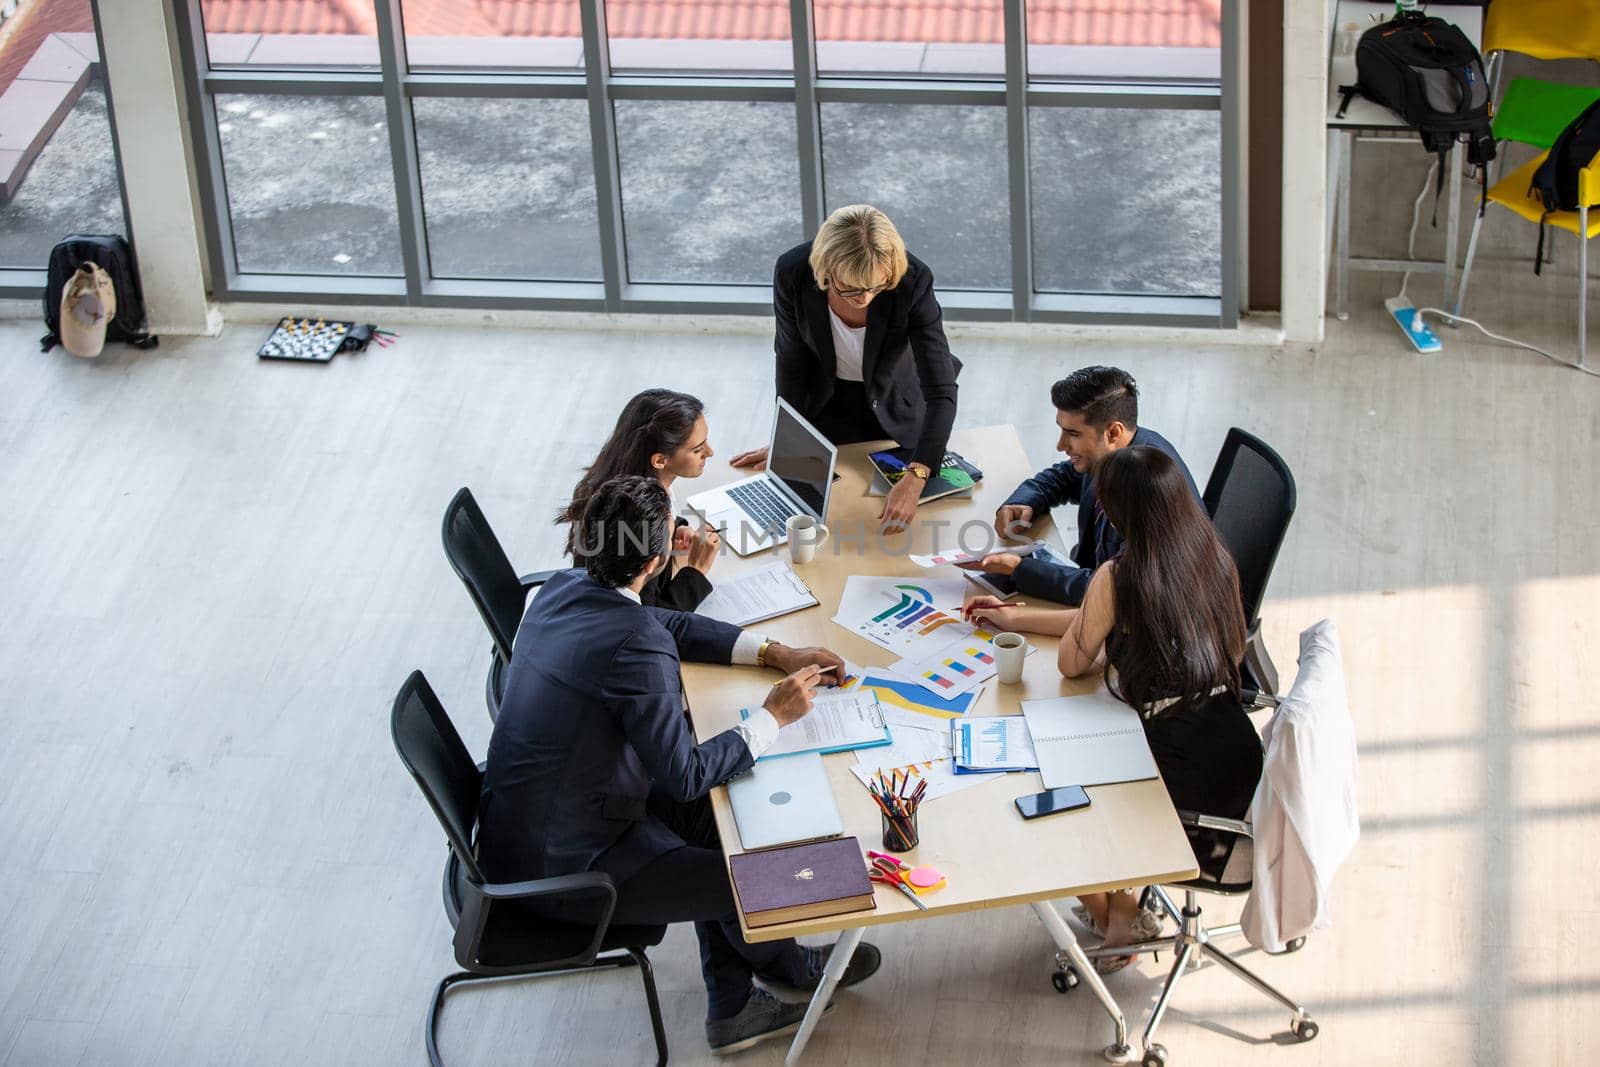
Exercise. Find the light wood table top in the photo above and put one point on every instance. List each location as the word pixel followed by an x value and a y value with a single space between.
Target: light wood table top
pixel 1129 835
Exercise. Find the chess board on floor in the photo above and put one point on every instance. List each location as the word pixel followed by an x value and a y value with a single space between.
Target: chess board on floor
pixel 305 340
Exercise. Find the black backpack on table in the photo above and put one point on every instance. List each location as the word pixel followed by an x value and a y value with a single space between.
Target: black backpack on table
pixel 1426 71
pixel 112 254
pixel 1555 183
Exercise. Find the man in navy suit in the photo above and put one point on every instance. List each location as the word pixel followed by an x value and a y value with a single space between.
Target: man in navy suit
pixel 1097 411
pixel 593 765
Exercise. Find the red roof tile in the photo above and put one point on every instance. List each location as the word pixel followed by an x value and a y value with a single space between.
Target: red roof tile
pixel 34 21
pixel 1169 23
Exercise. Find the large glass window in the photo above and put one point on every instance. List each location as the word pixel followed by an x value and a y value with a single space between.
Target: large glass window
pixel 1126 201
pixel 474 35
pixel 726 37
pixel 963 38
pixel 935 171
pixel 508 188
pixel 310 189
pixel 290 34
pixel 58 173
pixel 710 193
pixel 1152 40
pixel 593 154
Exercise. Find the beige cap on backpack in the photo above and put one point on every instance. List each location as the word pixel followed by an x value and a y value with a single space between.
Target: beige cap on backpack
pixel 88 302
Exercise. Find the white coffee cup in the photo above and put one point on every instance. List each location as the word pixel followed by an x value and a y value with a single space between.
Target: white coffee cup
pixel 1010 650
pixel 806 535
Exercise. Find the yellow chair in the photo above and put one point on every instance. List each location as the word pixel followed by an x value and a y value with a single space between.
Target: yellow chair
pixel 1511 192
pixel 1543 29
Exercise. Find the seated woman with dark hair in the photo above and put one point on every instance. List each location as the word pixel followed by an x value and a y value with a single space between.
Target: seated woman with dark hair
pixel 1165 619
pixel 660 434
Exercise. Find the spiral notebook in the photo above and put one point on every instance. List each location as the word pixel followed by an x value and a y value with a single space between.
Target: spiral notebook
pixel 1088 740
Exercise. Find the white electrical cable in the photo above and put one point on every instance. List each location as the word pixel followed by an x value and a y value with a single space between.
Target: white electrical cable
pixel 1411 251
pixel 1416 217
pixel 1508 340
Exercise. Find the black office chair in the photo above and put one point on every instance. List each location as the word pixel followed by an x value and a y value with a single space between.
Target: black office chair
pixel 496 943
pixel 1251 498
pixel 498 593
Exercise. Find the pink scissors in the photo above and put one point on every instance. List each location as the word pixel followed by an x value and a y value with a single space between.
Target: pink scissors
pixel 885 870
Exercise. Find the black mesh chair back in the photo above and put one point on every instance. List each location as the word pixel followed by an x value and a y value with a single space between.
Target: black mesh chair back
pixel 436 757
pixel 494 937
pixel 475 554
pixel 1250 498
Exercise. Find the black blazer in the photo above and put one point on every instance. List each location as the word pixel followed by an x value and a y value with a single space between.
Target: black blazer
pixel 677 586
pixel 907 368
pixel 1098 540
pixel 592 720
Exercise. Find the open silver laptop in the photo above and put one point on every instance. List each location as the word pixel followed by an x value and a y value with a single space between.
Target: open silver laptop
pixel 798 480
pixel 785 800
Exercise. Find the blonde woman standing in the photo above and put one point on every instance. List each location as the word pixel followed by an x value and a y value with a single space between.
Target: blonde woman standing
pixel 861 347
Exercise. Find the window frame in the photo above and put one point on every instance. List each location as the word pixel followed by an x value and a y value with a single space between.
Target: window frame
pixel 25 283
pixel 804 88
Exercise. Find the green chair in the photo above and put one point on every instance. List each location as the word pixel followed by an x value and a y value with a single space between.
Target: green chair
pixel 1535 112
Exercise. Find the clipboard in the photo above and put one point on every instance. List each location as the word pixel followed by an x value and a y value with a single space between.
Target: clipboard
pixel 818 734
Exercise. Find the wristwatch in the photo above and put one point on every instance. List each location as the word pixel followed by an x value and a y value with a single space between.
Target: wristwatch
pixel 761 653
pixel 920 470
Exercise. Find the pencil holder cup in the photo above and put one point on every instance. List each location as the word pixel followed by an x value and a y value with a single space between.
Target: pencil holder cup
pixel 899 833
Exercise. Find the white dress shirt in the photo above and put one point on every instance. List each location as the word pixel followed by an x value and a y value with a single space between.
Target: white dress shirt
pixel 849 347
pixel 760 729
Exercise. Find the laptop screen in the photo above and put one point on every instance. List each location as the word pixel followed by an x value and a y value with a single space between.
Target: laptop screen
pixel 801 459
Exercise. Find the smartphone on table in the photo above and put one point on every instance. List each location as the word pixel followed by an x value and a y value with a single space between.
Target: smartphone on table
pixel 1053 801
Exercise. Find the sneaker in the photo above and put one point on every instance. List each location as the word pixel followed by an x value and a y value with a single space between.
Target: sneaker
pixel 762 1018
pixel 862 966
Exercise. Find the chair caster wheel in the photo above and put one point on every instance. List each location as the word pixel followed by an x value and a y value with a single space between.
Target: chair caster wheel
pixel 1305 1029
pixel 1065 980
pixel 1294 946
pixel 1155 1056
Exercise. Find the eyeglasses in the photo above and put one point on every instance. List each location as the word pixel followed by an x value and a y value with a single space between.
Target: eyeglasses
pixel 857 294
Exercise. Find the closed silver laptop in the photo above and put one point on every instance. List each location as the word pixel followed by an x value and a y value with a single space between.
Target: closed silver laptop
pixel 785 800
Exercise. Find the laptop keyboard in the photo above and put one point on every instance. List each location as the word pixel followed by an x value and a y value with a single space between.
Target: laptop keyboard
pixel 759 501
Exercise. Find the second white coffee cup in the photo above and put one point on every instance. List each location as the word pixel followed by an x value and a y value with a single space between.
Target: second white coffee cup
pixel 806 535
pixel 1010 650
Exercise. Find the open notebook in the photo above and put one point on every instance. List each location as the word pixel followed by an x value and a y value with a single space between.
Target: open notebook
pixel 1094 739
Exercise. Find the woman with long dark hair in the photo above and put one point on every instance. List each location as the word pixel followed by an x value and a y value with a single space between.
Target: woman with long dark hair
pixel 1165 619
pixel 663 435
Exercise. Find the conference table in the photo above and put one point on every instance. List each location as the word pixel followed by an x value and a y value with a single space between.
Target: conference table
pixel 1128 836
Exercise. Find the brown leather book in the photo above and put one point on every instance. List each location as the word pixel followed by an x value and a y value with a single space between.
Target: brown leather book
pixel 780 885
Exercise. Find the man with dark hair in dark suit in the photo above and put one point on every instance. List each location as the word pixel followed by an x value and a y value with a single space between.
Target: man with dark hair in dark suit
pixel 593 766
pixel 1097 412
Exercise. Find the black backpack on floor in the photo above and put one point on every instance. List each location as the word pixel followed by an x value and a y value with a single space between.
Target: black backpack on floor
pixel 1556 181
pixel 112 254
pixel 1426 71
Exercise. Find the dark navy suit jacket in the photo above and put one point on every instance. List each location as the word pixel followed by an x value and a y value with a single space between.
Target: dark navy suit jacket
pixel 1098 540
pixel 592 720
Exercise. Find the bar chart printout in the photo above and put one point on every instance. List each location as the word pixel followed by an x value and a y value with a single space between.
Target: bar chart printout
pixel 995 743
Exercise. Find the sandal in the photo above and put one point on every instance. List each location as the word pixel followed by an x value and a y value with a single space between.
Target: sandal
pixel 1111 964
pixel 1146 925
